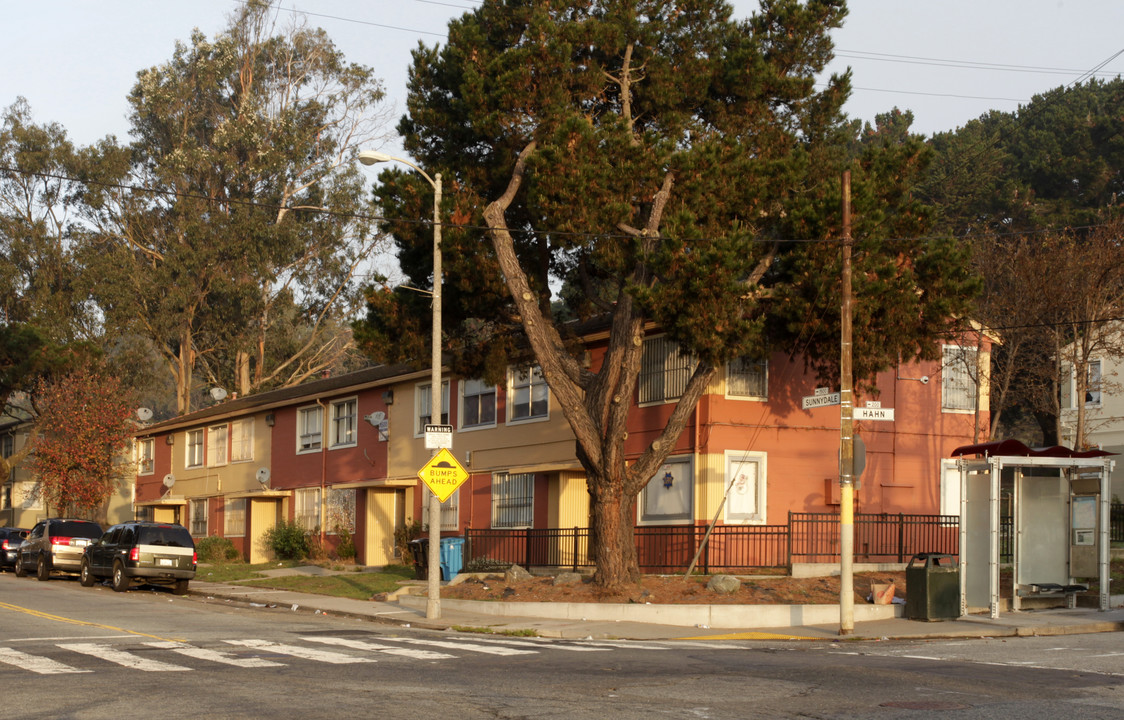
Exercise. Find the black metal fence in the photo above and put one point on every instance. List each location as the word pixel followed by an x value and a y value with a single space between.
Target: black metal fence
pixel 807 538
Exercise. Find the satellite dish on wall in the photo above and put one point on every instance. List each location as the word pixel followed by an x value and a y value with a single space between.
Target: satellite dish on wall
pixel 375 418
pixel 263 476
pixel 169 480
pixel 144 414
pixel 218 394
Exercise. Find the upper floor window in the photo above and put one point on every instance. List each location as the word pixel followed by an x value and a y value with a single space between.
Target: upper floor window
pixel 425 404
pixel 747 378
pixel 959 371
pixel 513 500
pixel 309 422
pixel 478 404
pixel 146 463
pixel 664 370
pixel 345 414
pixel 242 440
pixel 193 456
pixel 529 397
pixel 218 439
pixel 1093 386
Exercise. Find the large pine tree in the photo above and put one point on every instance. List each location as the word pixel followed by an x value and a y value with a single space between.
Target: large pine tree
pixel 662 162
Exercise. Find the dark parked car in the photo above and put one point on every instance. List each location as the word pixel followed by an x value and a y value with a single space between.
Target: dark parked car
pixel 148 552
pixel 55 545
pixel 10 539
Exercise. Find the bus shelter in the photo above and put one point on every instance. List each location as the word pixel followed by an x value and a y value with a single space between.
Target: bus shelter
pixel 1056 504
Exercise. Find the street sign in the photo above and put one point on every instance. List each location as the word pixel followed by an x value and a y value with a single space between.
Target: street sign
pixel 869 413
pixel 438 436
pixel 819 400
pixel 443 474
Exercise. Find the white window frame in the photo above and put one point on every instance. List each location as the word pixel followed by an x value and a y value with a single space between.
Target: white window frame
pixel 450 510
pixel 752 486
pixel 742 372
pixel 218 445
pixel 475 393
pixel 664 371
pixel 242 440
pixel 234 517
pixel 146 456
pixel 958 385
pixel 423 409
pixel 306 508
pixel 198 510
pixel 526 387
pixel 513 500
pixel 680 493
pixel 1094 379
pixel 194 445
pixel 309 440
pixel 345 423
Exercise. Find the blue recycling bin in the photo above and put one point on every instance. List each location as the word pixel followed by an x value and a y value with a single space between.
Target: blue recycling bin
pixel 452 557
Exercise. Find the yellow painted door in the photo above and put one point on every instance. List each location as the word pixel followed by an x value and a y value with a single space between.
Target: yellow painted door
pixel 383 511
pixel 263 516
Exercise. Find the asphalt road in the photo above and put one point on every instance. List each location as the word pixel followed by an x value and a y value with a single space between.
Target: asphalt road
pixel 73 652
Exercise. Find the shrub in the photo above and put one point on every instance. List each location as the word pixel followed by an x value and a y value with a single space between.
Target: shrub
pixel 216 550
pixel 345 549
pixel 402 538
pixel 287 540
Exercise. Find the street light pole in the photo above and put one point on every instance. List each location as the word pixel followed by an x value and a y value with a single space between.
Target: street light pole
pixel 433 602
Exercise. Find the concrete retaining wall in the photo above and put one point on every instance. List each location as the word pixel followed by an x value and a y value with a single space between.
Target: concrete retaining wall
pixel 715 616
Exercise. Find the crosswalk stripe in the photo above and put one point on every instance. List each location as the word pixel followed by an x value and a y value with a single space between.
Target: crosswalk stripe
pixel 532 643
pixel 465 646
pixel 120 657
pixel 36 664
pixel 375 647
pixel 623 645
pixel 305 653
pixel 213 655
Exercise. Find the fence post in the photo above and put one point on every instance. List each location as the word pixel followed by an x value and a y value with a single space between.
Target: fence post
pixel 790 541
pixel 575 549
pixel 901 537
pixel 527 549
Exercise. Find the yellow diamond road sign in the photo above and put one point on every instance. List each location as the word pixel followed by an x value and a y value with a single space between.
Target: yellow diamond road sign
pixel 443 474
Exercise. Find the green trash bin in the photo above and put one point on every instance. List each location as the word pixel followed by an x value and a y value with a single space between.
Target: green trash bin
pixel 932 587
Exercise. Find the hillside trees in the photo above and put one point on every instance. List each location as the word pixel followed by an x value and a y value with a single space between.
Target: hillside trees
pixel 228 263
pixel 658 159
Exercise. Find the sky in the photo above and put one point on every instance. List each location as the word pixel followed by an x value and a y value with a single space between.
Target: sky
pixel 948 61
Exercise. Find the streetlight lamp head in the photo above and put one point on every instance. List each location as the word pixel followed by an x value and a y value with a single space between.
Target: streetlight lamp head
pixel 370 157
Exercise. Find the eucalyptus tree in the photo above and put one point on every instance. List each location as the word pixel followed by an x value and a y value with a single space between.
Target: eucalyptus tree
pixel 234 245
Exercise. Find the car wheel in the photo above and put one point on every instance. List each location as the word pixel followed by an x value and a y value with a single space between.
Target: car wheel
pixel 20 572
pixel 42 569
pixel 86 577
pixel 180 588
pixel 120 581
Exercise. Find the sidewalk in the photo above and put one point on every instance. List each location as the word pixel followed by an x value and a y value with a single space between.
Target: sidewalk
pixel 410 612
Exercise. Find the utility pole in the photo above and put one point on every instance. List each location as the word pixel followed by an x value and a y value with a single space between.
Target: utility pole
pixel 846 435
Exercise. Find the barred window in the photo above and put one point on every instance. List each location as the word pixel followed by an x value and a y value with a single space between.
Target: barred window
pixel 450 510
pixel 958 378
pixel 198 510
pixel 513 496
pixel 747 378
pixel 664 370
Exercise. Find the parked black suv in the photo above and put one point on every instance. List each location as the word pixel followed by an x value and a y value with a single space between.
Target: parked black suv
pixel 55 545
pixel 10 539
pixel 150 552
